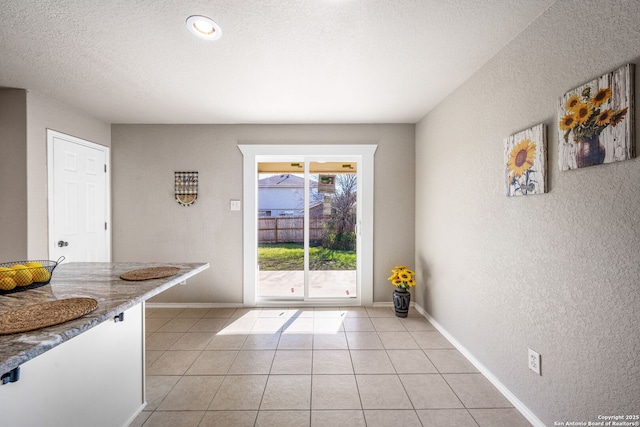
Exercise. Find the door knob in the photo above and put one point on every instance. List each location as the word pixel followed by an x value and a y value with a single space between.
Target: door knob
pixel 62 243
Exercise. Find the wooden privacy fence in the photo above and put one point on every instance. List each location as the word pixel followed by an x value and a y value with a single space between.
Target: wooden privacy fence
pixel 289 229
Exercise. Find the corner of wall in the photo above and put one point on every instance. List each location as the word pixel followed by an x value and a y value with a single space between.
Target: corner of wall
pixel 13 174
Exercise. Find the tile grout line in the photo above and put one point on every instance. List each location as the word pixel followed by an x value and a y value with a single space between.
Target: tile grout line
pixel 448 385
pixel 313 350
pixel 386 350
pixel 355 378
pixel 171 389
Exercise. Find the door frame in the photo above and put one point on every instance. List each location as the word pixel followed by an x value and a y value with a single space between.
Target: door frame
pixel 51 134
pixel 252 154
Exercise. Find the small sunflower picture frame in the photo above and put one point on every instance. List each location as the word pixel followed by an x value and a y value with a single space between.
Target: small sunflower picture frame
pixel 525 157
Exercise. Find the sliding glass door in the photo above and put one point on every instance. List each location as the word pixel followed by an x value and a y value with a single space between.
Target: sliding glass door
pixel 325 277
pixel 307 229
pixel 333 240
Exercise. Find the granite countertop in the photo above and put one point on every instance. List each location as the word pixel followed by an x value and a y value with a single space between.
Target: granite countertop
pixel 100 281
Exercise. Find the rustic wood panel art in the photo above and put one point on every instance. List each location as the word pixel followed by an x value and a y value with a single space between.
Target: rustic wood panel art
pixel 525 156
pixel 595 121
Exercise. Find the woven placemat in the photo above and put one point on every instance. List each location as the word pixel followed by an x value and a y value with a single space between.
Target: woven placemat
pixel 49 313
pixel 149 273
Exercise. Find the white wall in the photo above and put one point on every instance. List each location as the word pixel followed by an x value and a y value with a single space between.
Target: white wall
pixel 151 226
pixel 557 272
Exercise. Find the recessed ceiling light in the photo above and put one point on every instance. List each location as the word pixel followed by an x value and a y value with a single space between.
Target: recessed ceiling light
pixel 203 27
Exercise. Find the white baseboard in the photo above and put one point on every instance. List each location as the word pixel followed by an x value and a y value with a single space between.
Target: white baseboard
pixel 383 304
pixel 263 304
pixel 390 304
pixel 135 415
pixel 526 412
pixel 192 305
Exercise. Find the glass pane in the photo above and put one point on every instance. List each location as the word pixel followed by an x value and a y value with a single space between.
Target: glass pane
pixel 281 230
pixel 332 230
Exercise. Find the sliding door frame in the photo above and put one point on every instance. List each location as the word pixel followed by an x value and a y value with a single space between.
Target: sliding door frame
pixel 254 153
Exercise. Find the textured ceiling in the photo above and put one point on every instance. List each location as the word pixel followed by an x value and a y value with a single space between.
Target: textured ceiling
pixel 278 61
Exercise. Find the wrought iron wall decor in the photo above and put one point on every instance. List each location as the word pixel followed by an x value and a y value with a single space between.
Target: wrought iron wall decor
pixel 186 187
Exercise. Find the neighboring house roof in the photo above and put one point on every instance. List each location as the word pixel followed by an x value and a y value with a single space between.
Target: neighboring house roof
pixel 284 192
pixel 285 181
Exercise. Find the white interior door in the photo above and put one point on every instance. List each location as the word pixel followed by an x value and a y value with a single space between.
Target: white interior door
pixel 78 199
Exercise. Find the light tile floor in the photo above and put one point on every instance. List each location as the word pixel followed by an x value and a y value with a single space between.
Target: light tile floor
pixel 310 367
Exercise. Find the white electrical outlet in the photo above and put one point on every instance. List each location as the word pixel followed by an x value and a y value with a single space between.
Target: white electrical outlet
pixel 534 362
pixel 235 205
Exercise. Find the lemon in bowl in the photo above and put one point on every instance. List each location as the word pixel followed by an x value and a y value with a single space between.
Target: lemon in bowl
pixel 40 275
pixel 33 264
pixel 7 284
pixel 23 275
pixel 7 272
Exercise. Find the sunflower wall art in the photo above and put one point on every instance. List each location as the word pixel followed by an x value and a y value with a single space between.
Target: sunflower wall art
pixel 525 155
pixel 595 121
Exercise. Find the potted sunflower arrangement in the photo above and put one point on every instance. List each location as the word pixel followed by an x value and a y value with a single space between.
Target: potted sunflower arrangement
pixel 402 278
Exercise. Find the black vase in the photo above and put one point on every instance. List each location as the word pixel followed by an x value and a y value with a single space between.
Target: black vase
pixel 401 301
pixel 590 151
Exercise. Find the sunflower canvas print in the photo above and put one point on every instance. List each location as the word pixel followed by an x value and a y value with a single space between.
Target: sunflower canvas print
pixel 525 155
pixel 595 121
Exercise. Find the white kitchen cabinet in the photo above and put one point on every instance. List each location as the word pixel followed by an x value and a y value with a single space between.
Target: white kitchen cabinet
pixel 94 379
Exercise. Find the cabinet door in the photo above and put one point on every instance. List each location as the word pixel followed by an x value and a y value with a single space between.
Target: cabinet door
pixel 94 379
